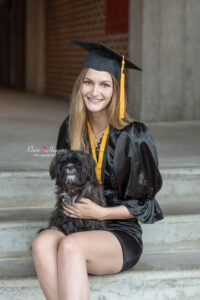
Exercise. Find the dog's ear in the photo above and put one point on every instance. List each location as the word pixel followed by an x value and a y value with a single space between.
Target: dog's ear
pixel 54 168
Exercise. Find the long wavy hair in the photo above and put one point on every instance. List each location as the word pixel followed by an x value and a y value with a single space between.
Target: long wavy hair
pixel 78 114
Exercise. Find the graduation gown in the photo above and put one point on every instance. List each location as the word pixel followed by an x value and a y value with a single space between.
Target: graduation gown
pixel 130 177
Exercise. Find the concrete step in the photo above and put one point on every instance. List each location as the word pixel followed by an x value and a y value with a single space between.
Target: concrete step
pixel 17 236
pixel 25 213
pixel 168 269
pixel 180 191
pixel 134 285
pixel 24 191
pixel 21 264
pixel 17 265
pixel 173 232
pixel 20 289
pixel 178 231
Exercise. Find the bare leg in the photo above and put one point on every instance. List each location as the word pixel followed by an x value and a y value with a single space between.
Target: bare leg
pixel 72 272
pixel 44 248
pixel 96 252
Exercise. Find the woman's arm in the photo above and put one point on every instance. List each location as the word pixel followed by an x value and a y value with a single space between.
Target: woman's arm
pixel 137 173
pixel 87 209
pixel 117 212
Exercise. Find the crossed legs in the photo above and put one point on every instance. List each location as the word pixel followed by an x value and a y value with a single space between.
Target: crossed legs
pixel 63 262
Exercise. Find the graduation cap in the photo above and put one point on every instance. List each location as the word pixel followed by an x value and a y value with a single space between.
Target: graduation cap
pixel 102 58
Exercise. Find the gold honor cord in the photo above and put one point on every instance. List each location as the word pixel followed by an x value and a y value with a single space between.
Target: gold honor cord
pixel 122 84
pixel 99 163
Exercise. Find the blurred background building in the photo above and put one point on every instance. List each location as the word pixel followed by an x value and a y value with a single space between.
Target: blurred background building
pixel 160 36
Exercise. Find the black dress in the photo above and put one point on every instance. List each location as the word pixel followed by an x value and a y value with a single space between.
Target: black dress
pixel 130 177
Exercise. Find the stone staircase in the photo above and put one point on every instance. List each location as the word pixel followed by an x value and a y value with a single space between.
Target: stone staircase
pixel 169 268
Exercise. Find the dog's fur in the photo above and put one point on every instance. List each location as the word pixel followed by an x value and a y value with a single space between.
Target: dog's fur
pixel 75 178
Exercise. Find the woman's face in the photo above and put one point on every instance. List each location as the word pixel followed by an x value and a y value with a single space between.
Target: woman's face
pixel 97 90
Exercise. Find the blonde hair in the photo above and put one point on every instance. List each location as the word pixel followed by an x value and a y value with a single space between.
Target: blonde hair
pixel 78 114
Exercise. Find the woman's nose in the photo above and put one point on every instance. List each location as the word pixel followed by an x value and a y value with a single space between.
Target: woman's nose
pixel 95 90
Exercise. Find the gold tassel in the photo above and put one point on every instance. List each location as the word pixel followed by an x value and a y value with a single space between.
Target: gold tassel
pixel 122 83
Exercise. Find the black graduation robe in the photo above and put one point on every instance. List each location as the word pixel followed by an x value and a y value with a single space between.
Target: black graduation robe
pixel 130 177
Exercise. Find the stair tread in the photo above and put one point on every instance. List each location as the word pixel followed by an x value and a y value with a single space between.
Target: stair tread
pixel 20 265
pixel 137 275
pixel 172 233
pixel 148 285
pixel 146 251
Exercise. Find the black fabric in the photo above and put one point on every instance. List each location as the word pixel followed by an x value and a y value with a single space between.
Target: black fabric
pixel 102 58
pixel 131 178
pixel 97 148
pixel 63 136
pixel 132 250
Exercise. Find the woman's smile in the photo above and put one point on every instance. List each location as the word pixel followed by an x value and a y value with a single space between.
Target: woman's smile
pixel 91 99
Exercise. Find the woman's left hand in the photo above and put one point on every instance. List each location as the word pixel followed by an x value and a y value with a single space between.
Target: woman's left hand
pixel 83 209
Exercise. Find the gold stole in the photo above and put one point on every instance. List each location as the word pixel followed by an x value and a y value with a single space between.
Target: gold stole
pixel 99 163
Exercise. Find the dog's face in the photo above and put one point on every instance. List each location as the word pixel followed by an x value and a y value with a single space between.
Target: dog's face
pixel 70 167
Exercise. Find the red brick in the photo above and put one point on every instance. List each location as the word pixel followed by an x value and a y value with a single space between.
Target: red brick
pixel 65 20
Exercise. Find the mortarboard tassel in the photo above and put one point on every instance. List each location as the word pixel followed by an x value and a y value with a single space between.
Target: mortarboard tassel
pixel 122 83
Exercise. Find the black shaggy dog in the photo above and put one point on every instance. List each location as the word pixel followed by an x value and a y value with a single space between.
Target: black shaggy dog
pixel 75 178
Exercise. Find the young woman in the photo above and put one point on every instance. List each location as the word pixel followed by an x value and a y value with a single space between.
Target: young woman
pixel 127 167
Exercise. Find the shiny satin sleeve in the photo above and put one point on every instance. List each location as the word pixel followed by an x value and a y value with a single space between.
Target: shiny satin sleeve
pixel 63 136
pixel 137 173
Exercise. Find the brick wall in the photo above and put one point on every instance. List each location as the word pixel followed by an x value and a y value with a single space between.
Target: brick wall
pixel 65 20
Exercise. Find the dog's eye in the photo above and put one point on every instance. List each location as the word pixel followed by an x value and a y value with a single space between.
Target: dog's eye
pixel 75 161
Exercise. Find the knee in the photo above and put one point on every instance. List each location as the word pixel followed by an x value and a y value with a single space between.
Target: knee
pixel 37 244
pixel 68 247
pixel 40 244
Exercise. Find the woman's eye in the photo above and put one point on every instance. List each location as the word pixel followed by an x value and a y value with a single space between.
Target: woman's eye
pixel 87 82
pixel 105 85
